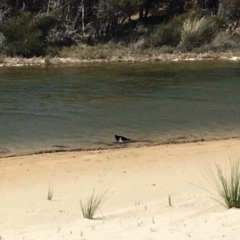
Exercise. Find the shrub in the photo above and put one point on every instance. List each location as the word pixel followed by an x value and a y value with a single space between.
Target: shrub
pixel 25 35
pixel 166 34
pixel 52 51
pixel 169 33
pixel 21 38
pixel 226 184
pixel 196 32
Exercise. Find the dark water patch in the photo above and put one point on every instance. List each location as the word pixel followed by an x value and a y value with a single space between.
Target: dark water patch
pixel 83 107
pixel 60 146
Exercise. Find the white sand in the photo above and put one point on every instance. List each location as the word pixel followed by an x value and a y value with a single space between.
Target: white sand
pixel 138 181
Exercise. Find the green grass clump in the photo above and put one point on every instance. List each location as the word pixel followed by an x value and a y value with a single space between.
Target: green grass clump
pixel 92 205
pixel 226 183
pixel 196 32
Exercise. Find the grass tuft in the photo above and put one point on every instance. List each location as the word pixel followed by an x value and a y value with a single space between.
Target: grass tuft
pixel 50 194
pixel 196 32
pixel 226 183
pixel 92 205
pixel 223 41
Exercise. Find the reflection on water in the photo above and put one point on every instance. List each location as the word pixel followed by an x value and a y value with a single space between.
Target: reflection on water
pixel 71 107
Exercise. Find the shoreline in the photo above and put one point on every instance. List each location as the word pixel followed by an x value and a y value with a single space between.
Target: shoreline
pixel 118 146
pixel 47 61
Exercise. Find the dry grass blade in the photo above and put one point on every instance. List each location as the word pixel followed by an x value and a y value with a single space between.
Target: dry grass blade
pixel 169 201
pixel 50 194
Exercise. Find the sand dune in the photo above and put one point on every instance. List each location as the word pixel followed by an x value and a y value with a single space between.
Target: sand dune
pixel 138 182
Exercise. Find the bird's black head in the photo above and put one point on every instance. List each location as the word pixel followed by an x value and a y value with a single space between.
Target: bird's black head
pixel 116 137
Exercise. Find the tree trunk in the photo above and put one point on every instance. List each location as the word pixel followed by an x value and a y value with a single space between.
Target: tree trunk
pixel 83 18
pixel 141 14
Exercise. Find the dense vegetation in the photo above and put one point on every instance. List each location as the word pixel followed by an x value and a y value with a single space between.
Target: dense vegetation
pixel 46 27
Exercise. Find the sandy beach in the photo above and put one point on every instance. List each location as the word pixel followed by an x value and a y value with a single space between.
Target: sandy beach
pixel 138 182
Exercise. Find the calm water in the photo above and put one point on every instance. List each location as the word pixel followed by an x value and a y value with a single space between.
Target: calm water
pixel 44 108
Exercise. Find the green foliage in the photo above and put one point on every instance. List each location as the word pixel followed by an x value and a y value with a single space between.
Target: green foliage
pixel 226 183
pixel 21 37
pixel 50 25
pixel 166 34
pixel 25 35
pixel 231 9
pixel 127 6
pixel 196 32
pixel 92 205
pixel 169 33
pixel 220 23
pixel 45 21
pixel 52 51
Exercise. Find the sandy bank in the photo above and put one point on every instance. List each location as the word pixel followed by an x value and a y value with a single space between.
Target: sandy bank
pixel 138 180
pixel 18 62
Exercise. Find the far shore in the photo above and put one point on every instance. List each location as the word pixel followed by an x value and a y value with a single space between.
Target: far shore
pixel 166 57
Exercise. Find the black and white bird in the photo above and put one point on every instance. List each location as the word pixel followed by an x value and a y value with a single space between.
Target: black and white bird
pixel 121 139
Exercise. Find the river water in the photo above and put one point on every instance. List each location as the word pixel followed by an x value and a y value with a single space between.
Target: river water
pixel 48 108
